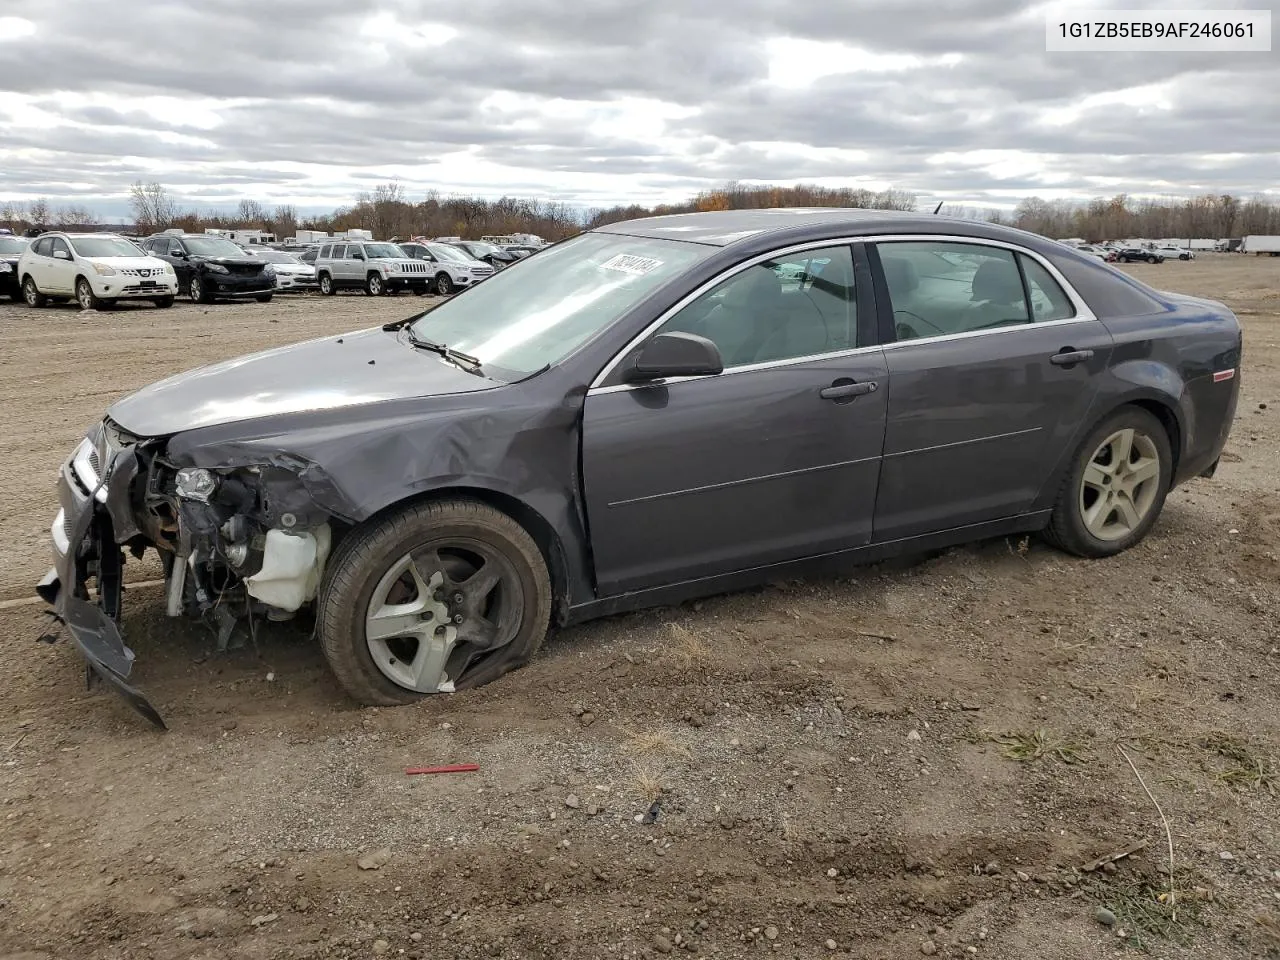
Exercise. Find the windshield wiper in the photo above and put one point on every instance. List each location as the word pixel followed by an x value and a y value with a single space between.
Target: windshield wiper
pixel 465 360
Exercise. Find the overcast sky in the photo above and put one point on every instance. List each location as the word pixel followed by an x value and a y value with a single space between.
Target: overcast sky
pixel 603 101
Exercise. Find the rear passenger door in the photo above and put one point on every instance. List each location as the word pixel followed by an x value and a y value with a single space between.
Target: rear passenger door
pixel 993 364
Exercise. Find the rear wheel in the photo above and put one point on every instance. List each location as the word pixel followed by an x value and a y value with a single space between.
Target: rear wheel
pixel 326 285
pixel 30 294
pixel 85 296
pixel 437 597
pixel 444 284
pixel 374 285
pixel 1115 488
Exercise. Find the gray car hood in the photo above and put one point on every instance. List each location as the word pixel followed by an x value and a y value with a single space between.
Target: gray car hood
pixel 367 366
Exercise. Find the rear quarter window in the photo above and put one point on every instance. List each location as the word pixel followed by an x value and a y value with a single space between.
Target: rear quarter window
pixel 1106 294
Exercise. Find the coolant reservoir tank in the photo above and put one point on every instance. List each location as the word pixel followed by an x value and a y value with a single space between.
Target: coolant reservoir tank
pixel 292 564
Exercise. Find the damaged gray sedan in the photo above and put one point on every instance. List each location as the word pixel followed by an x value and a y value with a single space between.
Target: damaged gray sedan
pixel 648 412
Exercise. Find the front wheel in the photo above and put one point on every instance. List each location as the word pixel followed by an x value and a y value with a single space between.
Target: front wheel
pixel 31 295
pixel 444 284
pixel 85 296
pixel 436 597
pixel 1115 487
pixel 196 290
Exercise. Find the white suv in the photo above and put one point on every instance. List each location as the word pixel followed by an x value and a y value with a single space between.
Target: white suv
pixel 451 267
pixel 96 268
pixel 375 268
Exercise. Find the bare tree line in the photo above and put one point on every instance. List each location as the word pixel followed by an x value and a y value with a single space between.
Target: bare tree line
pixel 1209 216
pixel 387 211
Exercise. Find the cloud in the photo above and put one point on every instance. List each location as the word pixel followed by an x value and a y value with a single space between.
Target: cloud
pixel 602 101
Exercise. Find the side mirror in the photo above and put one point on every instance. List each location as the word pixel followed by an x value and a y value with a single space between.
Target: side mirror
pixel 61 255
pixel 675 355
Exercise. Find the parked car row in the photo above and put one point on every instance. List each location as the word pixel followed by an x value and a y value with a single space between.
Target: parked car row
pixel 1133 252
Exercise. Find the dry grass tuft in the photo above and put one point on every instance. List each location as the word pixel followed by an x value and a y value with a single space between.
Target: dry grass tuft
pixel 1245 770
pixel 688 647
pixel 646 781
pixel 656 741
pixel 1027 746
pixel 1145 909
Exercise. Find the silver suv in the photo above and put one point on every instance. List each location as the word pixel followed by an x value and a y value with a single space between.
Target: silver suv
pixel 375 268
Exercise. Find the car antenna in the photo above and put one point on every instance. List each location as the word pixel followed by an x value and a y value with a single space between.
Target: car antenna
pixel 938 207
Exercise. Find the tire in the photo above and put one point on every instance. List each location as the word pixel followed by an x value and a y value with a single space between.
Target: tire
pixel 326 285
pixel 163 303
pixel 375 286
pixel 196 290
pixel 33 297
pixel 1069 526
pixel 264 297
pixel 419 291
pixel 367 560
pixel 85 296
pixel 444 284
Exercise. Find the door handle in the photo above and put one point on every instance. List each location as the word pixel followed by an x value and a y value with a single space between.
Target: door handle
pixel 1068 357
pixel 847 390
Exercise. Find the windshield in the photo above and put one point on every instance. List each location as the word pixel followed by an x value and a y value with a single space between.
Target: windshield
pixel 105 247
pixel 442 251
pixel 213 247
pixel 518 321
pixel 275 256
pixel 383 251
pixel 12 245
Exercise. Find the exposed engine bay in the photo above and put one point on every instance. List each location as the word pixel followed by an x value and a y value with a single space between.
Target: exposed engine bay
pixel 236 544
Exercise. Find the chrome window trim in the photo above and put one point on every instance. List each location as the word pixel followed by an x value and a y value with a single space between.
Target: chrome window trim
pixel 1083 313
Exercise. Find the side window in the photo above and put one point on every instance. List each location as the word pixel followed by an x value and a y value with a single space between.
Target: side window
pixel 59 244
pixel 324 252
pixel 1048 300
pixel 799 305
pixel 938 288
pixel 42 247
pixel 354 250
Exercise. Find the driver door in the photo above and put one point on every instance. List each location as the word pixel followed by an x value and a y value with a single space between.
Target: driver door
pixel 777 458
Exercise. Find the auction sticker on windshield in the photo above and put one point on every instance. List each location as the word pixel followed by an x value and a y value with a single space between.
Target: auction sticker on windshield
pixel 630 263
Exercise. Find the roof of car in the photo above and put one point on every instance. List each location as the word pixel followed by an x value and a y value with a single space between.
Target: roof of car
pixel 723 227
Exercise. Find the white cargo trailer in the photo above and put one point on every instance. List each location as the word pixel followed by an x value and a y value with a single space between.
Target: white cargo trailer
pixel 1259 244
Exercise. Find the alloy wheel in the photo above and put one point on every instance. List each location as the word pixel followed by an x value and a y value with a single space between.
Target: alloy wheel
pixel 1120 484
pixel 438 608
pixel 194 289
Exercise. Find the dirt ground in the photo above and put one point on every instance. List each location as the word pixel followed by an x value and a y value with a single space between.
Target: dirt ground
pixel 914 759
